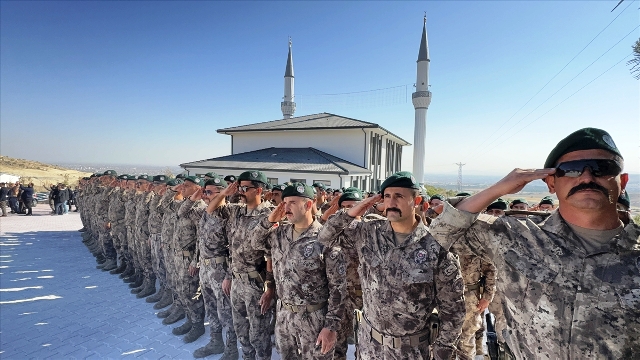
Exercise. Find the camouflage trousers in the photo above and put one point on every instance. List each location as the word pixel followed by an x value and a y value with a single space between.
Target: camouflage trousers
pixel 352 302
pixel 296 334
pixel 472 322
pixel 369 349
pixel 252 327
pixel 187 287
pixel 496 307
pixel 143 248
pixel 157 259
pixel 217 304
pixel 168 256
pixel 131 246
pixel 116 236
pixel 106 241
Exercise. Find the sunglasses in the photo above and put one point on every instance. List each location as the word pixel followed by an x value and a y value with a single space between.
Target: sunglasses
pixel 597 167
pixel 245 188
pixel 208 192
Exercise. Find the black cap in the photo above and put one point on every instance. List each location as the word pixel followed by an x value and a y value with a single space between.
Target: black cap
pixel 583 139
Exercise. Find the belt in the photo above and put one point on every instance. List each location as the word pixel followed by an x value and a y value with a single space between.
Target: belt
pixel 358 291
pixel 186 253
pixel 301 308
pixel 395 342
pixel 472 287
pixel 215 260
pixel 248 276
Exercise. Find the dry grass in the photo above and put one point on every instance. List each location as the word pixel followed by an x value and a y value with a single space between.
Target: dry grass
pixel 39 173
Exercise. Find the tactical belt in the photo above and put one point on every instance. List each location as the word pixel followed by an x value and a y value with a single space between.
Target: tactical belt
pixel 358 291
pixel 301 308
pixel 186 253
pixel 473 287
pixel 251 275
pixel 215 260
pixel 394 342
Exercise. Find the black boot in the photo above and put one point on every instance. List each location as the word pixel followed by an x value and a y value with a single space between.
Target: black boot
pixel 109 265
pixel 182 329
pixel 166 313
pixel 145 281
pixel 128 271
pixel 150 289
pixel 215 346
pixel 197 330
pixel 174 317
pixel 231 347
pixel 120 269
pixel 138 282
pixel 156 297
pixel 167 299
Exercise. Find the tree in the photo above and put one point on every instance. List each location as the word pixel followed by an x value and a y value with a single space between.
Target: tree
pixel 635 62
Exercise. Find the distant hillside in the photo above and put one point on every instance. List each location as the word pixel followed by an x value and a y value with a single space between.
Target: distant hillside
pixel 39 173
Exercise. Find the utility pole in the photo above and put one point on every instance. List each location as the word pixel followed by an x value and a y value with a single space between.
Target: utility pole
pixel 460 165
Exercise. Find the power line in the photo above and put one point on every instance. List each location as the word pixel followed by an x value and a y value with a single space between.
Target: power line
pixel 554 76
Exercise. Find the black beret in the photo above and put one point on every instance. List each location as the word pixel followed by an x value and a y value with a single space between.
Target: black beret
pixel 403 179
pixel 546 200
pixel 355 195
pixel 230 178
pixel 519 201
pixel 624 199
pixel 583 139
pixel 210 174
pixel 498 204
pixel 437 196
pixel 216 181
pixel 160 179
pixel 181 176
pixel 174 182
pixel 253 175
pixel 143 177
pixel 280 187
pixel 298 189
pixel 464 193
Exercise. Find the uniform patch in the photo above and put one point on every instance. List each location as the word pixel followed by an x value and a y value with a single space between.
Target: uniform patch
pixel 420 256
pixel 308 251
pixel 254 175
pixel 300 189
pixel 342 269
pixel 609 141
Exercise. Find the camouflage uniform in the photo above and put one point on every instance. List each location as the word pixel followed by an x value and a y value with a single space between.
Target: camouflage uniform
pixel 473 267
pixel 559 301
pixel 168 207
pixel 311 283
pixel 128 244
pixel 401 284
pixel 252 327
pixel 213 255
pixel 102 218
pixel 143 248
pixel 155 230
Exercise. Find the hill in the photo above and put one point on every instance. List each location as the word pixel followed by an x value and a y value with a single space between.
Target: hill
pixel 39 173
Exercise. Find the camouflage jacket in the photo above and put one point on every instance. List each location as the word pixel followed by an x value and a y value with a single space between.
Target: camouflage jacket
pixel 402 284
pixel 155 217
pixel 212 238
pixel 473 267
pixel 305 271
pixel 238 224
pixel 102 203
pixel 559 301
pixel 186 232
pixel 116 208
pixel 130 209
pixel 142 212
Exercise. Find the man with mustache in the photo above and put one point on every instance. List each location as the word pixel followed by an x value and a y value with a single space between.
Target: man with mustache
pixel 404 274
pixel 571 283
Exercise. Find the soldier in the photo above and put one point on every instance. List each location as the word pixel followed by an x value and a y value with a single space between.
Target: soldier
pixel 321 202
pixel 133 272
pixel 276 194
pixel 404 273
pixel 116 221
pixel 496 208
pixel 310 277
pixel 623 205
pixel 546 204
pixel 184 241
pixel 141 236
pixel 571 282
pixel 108 181
pixel 213 258
pixel 155 229
pixel 249 299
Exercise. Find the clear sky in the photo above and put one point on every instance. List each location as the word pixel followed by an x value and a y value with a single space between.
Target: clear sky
pixel 150 82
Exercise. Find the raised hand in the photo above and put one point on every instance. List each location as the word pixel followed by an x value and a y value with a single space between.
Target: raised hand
pixel 277 214
pixel 361 208
pixel 196 196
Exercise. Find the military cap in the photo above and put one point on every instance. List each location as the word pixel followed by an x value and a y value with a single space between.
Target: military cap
pixel 110 173
pixel 96 175
pixel 320 186
pixel 123 177
pixel 174 182
pixel 298 189
pixel 583 139
pixel 216 181
pixel 329 190
pixel 160 178
pixel 353 195
pixel 194 179
pixel 546 200
pixel 464 193
pixel 403 179
pixel 230 178
pixel 624 199
pixel 144 177
pixel 181 176
pixel 498 204
pixel 253 175
pixel 210 174
pixel 519 201
pixel 280 187
pixel 86 178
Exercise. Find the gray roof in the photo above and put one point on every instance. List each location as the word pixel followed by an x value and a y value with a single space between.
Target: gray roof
pixel 309 122
pixel 288 72
pixel 282 159
pixel 423 54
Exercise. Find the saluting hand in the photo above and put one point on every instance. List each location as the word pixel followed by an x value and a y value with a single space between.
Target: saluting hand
pixel 230 190
pixel 196 196
pixel 361 208
pixel 518 178
pixel 277 214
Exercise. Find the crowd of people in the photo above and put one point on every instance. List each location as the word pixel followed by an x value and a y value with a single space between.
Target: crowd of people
pixel 19 197
pixel 400 274
pixel 61 198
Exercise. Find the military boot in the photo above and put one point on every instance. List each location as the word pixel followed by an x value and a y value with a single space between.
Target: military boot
pixel 165 313
pixel 167 299
pixel 174 317
pixel 100 259
pixel 231 347
pixel 120 269
pixel 184 328
pixel 138 282
pixel 197 330
pixel 215 346
pixel 128 272
pixel 144 284
pixel 109 265
pixel 150 289
pixel 157 296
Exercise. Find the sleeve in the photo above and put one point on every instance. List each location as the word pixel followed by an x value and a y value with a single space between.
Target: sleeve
pixel 336 270
pixel 451 307
pixel 185 209
pixel 165 203
pixel 263 234
pixel 489 272
pixel 337 223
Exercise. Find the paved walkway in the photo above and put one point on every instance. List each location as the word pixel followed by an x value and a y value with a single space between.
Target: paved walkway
pixel 55 304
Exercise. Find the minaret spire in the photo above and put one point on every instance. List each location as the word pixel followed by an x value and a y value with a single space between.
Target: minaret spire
pixel 288 106
pixel 421 100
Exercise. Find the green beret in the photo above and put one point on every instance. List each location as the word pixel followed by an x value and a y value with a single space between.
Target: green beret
pixel 320 186
pixel 144 177
pixel 298 189
pixel 110 173
pixel 353 189
pixel 403 179
pixel 355 195
pixel 624 199
pixel 194 179
pixel 216 181
pixel 181 176
pixel 160 179
pixel 210 174
pixel 280 187
pixel 123 177
pixel 253 175
pixel 174 182
pixel 464 193
pixel 519 201
pixel 546 200
pixel 230 178
pixel 583 139
pixel 96 175
pixel 201 176
pixel 498 204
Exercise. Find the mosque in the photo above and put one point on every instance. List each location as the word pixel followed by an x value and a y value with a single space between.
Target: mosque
pixel 327 148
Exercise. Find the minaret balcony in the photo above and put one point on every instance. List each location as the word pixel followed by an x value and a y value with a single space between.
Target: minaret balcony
pixel 421 99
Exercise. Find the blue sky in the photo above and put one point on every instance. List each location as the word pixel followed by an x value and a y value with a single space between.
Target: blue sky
pixel 150 82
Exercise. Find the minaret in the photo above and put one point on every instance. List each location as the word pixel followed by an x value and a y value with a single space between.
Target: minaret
pixel 421 100
pixel 287 106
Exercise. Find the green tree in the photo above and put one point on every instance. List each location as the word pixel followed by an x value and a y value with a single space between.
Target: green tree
pixel 635 62
pixel 432 190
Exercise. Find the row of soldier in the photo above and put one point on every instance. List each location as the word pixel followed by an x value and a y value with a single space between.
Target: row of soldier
pixel 325 266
